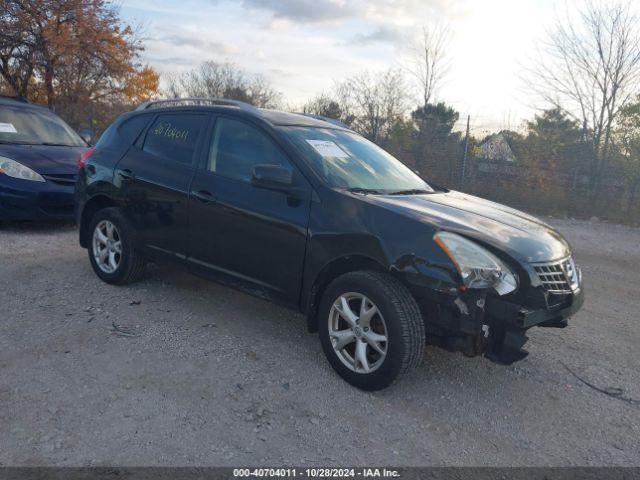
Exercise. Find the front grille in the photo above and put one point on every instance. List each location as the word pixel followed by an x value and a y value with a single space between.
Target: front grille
pixel 558 277
pixel 66 179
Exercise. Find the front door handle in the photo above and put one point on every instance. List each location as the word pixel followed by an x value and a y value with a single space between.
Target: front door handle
pixel 204 196
pixel 126 174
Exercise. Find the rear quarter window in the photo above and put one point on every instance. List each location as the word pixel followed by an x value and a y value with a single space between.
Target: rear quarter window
pixel 130 129
pixel 125 131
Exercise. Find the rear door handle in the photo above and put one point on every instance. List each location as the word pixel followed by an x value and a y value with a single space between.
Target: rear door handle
pixel 126 174
pixel 204 196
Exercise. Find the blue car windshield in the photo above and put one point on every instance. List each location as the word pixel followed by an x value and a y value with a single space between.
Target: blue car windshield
pixel 27 126
pixel 349 161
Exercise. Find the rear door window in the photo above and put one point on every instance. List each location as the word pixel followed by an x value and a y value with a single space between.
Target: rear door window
pixel 174 137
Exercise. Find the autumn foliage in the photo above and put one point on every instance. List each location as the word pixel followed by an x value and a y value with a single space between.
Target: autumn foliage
pixel 74 55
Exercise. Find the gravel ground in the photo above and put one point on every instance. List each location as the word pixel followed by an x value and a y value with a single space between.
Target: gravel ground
pixel 205 375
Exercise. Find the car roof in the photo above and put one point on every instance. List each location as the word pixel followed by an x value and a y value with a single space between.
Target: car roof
pixel 274 117
pixel 20 102
pixel 277 117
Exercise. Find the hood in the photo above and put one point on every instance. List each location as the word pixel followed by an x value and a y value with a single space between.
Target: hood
pixel 45 159
pixel 522 236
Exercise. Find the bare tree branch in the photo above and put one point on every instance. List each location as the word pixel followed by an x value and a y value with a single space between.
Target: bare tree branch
pixel 430 62
pixel 372 102
pixel 222 80
pixel 591 69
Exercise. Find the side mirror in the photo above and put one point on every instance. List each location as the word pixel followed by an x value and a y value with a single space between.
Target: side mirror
pixel 273 177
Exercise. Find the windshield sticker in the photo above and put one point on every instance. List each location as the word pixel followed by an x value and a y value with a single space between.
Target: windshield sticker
pixel 328 149
pixel 7 128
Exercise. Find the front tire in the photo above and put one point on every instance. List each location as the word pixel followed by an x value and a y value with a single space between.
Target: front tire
pixel 371 329
pixel 111 248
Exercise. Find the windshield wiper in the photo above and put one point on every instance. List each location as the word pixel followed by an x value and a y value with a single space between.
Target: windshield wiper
pixel 414 191
pixel 364 191
pixel 5 142
pixel 53 144
pixel 37 144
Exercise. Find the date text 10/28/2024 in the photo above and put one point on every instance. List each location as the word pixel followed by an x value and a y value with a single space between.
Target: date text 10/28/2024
pixel 315 473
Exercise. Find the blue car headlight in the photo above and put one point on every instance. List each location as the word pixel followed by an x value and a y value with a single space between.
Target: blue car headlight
pixel 478 267
pixel 15 169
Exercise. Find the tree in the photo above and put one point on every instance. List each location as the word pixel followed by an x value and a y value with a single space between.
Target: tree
pixel 430 62
pixel 223 80
pixel 628 138
pixel 436 146
pixel 548 149
pixel 73 50
pixel 5 89
pixel 373 102
pixel 591 68
pixel 436 120
pixel 325 106
pixel 76 56
pixel 18 50
pixel 401 141
pixel 555 140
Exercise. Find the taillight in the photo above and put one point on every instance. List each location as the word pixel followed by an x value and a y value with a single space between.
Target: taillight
pixel 84 157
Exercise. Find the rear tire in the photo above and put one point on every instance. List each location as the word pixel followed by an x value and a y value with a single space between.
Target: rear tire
pixel 354 346
pixel 111 249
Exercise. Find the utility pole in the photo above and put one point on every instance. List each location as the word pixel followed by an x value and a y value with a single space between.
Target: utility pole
pixel 466 149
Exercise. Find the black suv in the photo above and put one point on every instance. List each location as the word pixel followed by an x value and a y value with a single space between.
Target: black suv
pixel 303 211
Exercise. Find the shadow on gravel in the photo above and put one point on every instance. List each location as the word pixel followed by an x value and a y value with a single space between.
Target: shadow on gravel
pixel 35 227
pixel 439 369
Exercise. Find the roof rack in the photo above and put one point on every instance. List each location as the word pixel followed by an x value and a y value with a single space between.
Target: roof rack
pixel 195 102
pixel 17 98
pixel 333 121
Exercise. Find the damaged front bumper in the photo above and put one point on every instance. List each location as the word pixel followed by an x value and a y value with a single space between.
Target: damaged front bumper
pixel 476 323
pixel 511 321
pixel 522 317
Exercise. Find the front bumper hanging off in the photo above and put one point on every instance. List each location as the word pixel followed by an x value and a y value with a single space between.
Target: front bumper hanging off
pixel 478 324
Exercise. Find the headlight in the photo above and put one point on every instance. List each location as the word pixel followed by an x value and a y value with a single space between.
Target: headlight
pixel 478 267
pixel 17 170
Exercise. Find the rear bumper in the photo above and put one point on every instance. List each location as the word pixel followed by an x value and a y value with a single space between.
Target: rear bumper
pixel 26 200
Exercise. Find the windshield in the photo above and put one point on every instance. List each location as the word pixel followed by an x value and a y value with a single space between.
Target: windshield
pixel 347 160
pixel 35 127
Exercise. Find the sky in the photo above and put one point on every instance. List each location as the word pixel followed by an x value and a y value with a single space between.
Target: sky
pixel 303 46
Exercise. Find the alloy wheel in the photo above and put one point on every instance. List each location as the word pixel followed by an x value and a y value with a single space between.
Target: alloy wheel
pixel 107 246
pixel 358 332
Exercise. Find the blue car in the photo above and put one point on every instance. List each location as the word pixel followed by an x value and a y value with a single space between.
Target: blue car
pixel 39 156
